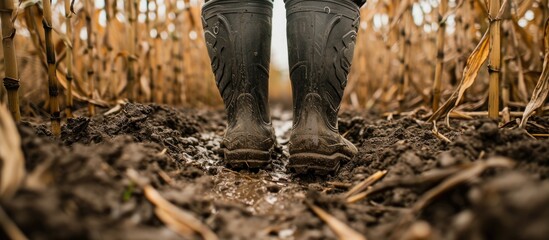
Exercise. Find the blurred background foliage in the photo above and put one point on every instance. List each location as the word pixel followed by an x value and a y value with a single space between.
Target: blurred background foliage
pixel 153 51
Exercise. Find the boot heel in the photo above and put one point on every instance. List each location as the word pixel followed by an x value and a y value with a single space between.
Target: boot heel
pixel 314 163
pixel 247 158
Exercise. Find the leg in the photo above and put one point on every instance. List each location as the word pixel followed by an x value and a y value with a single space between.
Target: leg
pixel 238 37
pixel 321 40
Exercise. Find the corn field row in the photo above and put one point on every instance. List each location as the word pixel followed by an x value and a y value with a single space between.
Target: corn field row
pixel 456 58
pixel 142 51
pixel 483 57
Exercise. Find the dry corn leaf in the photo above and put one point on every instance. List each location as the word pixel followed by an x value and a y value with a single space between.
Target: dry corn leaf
pixel 483 6
pixel 342 231
pixel 542 87
pixel 11 156
pixel 174 224
pixel 474 64
pixel 77 93
pixel 28 3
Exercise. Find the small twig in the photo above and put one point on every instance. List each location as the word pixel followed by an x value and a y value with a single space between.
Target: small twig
pixel 180 221
pixel 458 114
pixel 365 184
pixel 9 227
pixel 530 135
pixel 418 230
pixel 341 185
pixel 116 108
pixel 162 153
pixel 438 134
pixel 427 177
pixel 165 177
pixel 341 229
pixel 473 171
pixel 537 125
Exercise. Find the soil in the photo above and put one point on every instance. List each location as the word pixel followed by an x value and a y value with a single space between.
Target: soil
pixel 78 188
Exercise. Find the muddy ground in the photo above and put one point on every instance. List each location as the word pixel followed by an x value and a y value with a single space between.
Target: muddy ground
pixel 78 187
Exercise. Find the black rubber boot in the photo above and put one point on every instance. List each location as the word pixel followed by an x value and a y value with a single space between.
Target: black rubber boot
pixel 238 37
pixel 321 40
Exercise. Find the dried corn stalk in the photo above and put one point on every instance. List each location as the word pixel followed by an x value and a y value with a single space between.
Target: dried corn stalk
pixel 68 23
pixel 440 54
pixel 52 71
pixel 494 66
pixel 11 79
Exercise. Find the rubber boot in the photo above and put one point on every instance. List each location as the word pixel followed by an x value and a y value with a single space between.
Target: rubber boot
pixel 238 38
pixel 321 41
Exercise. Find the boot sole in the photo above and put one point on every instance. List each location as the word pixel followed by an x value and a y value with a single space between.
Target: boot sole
pixel 247 158
pixel 315 163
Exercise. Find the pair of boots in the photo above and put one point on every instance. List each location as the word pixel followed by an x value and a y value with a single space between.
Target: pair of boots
pixel 321 39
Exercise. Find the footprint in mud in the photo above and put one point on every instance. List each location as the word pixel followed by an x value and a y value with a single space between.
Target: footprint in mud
pixel 267 191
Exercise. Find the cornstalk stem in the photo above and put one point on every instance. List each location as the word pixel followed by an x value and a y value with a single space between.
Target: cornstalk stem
pixel 149 52
pixel 159 60
pixel 91 66
pixel 131 75
pixel 11 79
pixel 440 54
pixel 52 77
pixel 406 44
pixel 68 23
pixel 494 66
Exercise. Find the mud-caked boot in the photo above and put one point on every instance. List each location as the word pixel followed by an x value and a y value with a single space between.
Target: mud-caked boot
pixel 321 41
pixel 238 38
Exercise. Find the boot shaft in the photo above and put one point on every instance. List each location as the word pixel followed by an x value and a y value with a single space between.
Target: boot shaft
pixel 238 38
pixel 321 41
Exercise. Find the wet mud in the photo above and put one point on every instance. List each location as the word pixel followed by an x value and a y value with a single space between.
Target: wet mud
pixel 78 186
